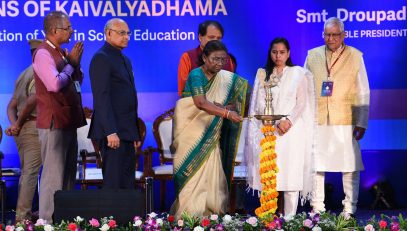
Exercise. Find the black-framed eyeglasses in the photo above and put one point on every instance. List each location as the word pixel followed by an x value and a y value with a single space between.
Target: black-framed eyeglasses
pixel 220 60
pixel 332 35
pixel 122 32
pixel 65 29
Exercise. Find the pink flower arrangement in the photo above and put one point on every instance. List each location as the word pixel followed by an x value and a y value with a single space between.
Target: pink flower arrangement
pixel 252 221
pixel 308 223
pixel 369 227
pixel 153 222
pixel 94 223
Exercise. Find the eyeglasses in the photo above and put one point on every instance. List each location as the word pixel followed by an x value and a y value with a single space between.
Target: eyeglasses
pixel 65 29
pixel 122 32
pixel 332 35
pixel 220 60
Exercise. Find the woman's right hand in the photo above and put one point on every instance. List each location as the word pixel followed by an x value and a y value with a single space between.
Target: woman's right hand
pixel 233 116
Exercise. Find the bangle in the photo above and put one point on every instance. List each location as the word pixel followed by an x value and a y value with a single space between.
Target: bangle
pixel 227 115
pixel 224 113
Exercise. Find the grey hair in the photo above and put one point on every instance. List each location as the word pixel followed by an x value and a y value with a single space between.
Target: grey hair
pixel 53 20
pixel 334 21
pixel 109 24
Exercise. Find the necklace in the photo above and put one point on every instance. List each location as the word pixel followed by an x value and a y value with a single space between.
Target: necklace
pixel 275 78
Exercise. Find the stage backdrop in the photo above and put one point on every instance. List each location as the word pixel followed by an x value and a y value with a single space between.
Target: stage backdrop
pixel 163 29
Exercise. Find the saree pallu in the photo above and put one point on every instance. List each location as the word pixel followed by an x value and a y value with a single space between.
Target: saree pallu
pixel 203 166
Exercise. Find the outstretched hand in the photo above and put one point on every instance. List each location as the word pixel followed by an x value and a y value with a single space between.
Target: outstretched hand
pixel 233 116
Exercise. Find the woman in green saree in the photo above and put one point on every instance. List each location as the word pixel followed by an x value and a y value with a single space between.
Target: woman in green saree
pixel 207 124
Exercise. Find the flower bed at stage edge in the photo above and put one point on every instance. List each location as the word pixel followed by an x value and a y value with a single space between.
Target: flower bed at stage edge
pixel 153 221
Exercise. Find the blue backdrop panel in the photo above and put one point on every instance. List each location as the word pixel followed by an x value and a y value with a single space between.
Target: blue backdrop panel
pixel 164 29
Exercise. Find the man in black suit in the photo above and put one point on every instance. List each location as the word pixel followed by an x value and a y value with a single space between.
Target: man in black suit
pixel 114 119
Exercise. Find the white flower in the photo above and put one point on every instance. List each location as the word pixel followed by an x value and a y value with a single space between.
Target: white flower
pixel 289 217
pixel 78 219
pixel 180 223
pixel 19 229
pixel 152 215
pixel 137 223
pixel 104 227
pixel 227 218
pixel 159 221
pixel 369 227
pixel 214 217
pixel 48 227
pixel 252 221
pixel 199 228
pixel 316 228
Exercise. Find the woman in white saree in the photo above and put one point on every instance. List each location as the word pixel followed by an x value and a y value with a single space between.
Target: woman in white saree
pixel 293 95
pixel 206 132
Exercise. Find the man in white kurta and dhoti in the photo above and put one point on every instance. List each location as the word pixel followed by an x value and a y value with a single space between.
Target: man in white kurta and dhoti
pixel 342 92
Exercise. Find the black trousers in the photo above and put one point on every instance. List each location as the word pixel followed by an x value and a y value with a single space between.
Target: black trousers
pixel 118 165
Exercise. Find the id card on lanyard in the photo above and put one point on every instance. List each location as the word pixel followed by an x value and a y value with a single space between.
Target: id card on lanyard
pixel 327 88
pixel 328 85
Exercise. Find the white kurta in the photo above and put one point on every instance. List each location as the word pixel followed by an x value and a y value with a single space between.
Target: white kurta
pixel 336 149
pixel 294 97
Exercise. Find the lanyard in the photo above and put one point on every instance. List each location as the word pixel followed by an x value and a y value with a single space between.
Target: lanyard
pixel 53 46
pixel 329 69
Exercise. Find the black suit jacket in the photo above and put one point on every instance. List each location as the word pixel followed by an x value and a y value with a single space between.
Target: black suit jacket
pixel 114 95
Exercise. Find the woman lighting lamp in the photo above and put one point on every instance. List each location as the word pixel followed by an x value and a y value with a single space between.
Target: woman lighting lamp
pixel 206 130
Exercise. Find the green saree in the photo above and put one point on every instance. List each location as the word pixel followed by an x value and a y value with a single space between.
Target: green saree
pixel 205 144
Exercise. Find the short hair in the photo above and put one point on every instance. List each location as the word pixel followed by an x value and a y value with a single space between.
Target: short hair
pixel 53 19
pixel 110 22
pixel 203 27
pixel 334 21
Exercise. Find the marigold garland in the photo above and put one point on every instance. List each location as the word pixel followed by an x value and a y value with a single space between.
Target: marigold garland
pixel 268 170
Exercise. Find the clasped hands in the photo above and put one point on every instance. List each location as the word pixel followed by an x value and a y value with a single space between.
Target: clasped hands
pixel 75 56
pixel 13 130
pixel 283 126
